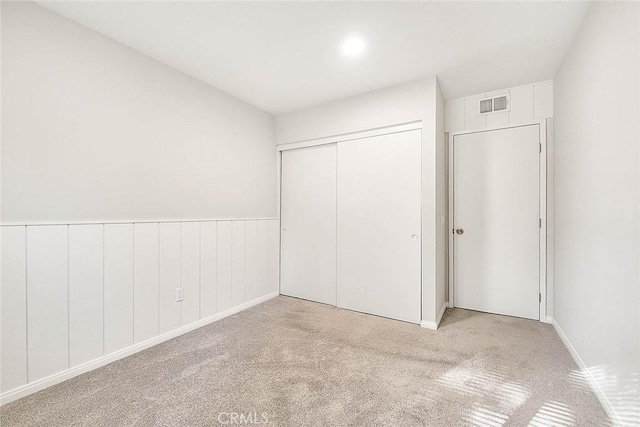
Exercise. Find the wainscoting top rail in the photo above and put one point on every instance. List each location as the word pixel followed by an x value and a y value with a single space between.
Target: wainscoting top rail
pixel 142 221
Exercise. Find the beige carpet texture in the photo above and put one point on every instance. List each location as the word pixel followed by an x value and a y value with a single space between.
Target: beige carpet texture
pixel 289 362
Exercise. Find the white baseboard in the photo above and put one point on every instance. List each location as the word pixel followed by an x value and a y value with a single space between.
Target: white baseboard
pixel 428 325
pixel 43 383
pixel 585 371
pixel 548 319
pixel 442 310
pixel 434 325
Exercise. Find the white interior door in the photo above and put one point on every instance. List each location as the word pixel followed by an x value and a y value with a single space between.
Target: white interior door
pixel 379 206
pixel 496 218
pixel 308 221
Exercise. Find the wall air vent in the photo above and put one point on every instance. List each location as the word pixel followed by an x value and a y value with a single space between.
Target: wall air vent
pixel 500 103
pixel 486 106
pixel 494 104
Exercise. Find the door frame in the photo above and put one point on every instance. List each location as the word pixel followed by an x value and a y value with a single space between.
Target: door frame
pixel 365 133
pixel 542 185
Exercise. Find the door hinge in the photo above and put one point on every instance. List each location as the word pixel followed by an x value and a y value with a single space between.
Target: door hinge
pixel 539 222
pixel 540 297
pixel 540 147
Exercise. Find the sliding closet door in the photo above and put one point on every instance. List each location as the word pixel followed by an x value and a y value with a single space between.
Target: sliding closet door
pixel 379 208
pixel 308 220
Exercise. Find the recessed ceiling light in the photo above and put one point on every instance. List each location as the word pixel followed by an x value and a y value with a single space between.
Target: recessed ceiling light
pixel 354 45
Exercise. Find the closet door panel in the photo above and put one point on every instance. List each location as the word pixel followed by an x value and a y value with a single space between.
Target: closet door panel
pixel 379 225
pixel 308 224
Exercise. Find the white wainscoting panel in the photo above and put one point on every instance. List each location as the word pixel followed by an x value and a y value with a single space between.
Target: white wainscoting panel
pixel 498 119
pixel 473 120
pixel 169 276
pixel 208 264
pixel 118 287
pixel 262 261
pixel 238 263
pixel 250 246
pixel 78 296
pixel 86 275
pixel 190 271
pixel 47 297
pixel 521 105
pixel 273 256
pixel 225 257
pixel 14 308
pixel 145 281
pixel 543 100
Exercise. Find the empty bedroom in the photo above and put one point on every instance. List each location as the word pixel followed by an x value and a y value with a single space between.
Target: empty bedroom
pixel 325 213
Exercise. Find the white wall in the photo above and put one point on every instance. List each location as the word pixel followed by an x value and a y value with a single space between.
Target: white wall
pixel 75 297
pixel 93 130
pixel 597 195
pixel 529 103
pixel 385 107
pixel 398 104
pixel 441 225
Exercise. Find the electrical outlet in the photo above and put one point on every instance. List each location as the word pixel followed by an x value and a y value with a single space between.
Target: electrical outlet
pixel 179 294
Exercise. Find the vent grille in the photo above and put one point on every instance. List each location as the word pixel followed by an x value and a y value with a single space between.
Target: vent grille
pixel 486 106
pixel 500 103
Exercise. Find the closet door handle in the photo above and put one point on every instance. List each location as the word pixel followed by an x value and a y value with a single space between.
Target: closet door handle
pixel 414 237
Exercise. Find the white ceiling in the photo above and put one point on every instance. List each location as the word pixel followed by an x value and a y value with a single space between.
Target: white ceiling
pixel 283 56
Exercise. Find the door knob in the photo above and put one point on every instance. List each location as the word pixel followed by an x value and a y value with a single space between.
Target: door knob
pixel 414 237
pixel 459 231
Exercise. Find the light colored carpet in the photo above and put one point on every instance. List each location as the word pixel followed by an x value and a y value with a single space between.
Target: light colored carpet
pixel 306 364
